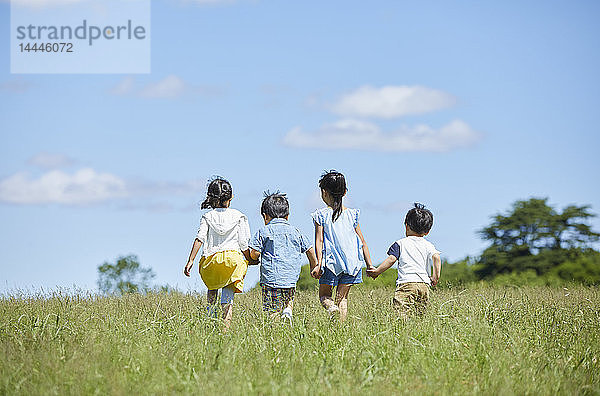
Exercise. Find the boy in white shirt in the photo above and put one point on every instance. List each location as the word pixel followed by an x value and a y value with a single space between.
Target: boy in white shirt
pixel 415 255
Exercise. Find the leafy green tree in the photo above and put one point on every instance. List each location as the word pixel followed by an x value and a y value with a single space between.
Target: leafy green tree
pixel 584 268
pixel 124 276
pixel 533 225
pixel 533 236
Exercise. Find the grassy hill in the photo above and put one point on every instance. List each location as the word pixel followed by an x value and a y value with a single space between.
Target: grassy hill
pixel 480 340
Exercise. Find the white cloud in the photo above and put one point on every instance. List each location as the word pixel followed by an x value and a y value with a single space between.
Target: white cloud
pixel 169 87
pixel 124 87
pixel 391 101
pixel 352 134
pixel 15 86
pixel 51 161
pixel 85 186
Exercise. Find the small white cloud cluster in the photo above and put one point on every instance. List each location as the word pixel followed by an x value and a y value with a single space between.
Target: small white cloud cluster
pixel 360 135
pixel 85 186
pixel 355 133
pixel 392 101
pixel 168 88
pixel 52 185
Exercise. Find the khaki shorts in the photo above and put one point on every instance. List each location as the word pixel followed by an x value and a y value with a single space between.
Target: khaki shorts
pixel 411 297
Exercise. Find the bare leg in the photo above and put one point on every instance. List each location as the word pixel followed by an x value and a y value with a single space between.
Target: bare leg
pixel 341 297
pixel 227 294
pixel 227 314
pixel 325 292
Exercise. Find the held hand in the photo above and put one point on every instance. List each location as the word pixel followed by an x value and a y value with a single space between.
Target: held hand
pixel 188 267
pixel 316 272
pixel 372 272
pixel 434 281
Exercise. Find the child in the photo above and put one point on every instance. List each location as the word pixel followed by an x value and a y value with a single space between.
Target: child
pixel 280 247
pixel 224 233
pixel 340 246
pixel 414 255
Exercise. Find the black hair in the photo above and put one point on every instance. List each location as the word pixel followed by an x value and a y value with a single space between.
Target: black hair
pixel 275 205
pixel 335 184
pixel 217 193
pixel 419 219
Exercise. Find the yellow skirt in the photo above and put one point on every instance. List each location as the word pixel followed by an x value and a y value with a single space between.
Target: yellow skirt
pixel 223 269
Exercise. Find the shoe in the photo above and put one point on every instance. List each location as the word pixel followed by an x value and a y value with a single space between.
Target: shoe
pixel 287 314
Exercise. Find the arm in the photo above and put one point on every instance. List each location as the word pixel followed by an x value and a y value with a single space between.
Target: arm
pixel 365 248
pixel 436 270
pixel 254 248
pixel 193 253
pixel 316 271
pixel 312 259
pixel 385 265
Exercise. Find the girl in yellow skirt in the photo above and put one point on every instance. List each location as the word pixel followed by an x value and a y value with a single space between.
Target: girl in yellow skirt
pixel 224 235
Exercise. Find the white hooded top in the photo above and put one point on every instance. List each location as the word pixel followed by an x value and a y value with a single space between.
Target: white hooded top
pixel 223 229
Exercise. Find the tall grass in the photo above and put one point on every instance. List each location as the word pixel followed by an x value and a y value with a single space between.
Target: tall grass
pixel 480 340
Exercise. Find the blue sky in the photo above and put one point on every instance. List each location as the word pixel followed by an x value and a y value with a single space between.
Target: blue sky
pixel 464 106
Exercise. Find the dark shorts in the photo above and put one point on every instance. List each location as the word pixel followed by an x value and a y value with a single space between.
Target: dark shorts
pixel 276 298
pixel 329 278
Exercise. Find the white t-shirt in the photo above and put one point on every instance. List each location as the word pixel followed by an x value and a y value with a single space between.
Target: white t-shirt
pixel 223 229
pixel 414 256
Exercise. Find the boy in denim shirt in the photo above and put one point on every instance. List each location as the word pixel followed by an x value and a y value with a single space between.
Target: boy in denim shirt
pixel 280 247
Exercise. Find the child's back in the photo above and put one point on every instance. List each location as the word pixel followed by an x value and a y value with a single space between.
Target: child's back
pixel 223 235
pixel 280 247
pixel 223 229
pixel 415 257
pixel 342 247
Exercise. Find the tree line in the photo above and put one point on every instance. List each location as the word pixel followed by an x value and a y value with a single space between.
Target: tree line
pixel 535 243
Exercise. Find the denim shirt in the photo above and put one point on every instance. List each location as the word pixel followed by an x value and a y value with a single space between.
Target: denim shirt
pixel 281 248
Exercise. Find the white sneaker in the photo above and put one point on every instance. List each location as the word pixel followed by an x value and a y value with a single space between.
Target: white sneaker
pixel 287 314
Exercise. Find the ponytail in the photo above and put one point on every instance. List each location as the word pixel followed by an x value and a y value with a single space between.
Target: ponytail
pixel 218 192
pixel 335 184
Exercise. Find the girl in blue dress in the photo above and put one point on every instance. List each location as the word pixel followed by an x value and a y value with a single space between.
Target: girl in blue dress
pixel 340 246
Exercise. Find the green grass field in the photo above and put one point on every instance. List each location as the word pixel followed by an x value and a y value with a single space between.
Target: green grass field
pixel 479 340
